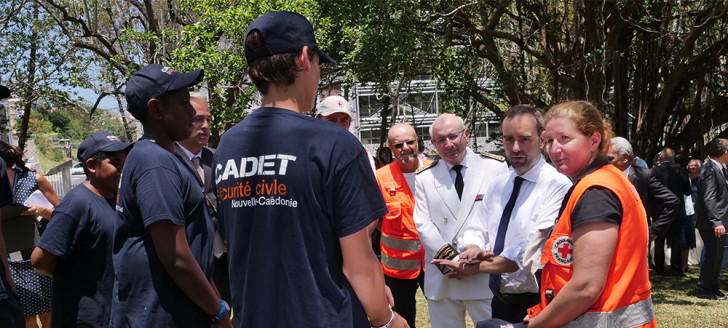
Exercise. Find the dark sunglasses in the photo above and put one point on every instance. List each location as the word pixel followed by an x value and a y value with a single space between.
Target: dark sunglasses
pixel 401 144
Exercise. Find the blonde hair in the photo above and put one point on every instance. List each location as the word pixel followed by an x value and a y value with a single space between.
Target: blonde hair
pixel 587 119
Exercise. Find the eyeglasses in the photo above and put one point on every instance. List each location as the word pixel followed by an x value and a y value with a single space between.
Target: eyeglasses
pixel 399 145
pixel 441 140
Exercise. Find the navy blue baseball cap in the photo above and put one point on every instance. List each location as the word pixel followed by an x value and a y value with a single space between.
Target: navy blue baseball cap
pixel 154 80
pixel 282 32
pixel 4 92
pixel 100 141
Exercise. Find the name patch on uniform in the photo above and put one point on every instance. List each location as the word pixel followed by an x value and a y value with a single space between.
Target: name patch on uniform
pixel 562 250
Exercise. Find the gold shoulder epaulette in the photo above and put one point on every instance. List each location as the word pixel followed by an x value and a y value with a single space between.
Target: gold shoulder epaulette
pixel 493 156
pixel 425 167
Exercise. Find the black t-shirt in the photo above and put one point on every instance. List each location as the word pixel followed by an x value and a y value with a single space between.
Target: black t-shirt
pixel 156 185
pixel 80 233
pixel 10 311
pixel 597 204
pixel 288 187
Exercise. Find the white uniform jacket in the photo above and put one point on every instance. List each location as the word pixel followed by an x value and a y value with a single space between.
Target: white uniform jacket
pixel 441 218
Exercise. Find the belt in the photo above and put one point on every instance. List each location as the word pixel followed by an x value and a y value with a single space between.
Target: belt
pixel 524 298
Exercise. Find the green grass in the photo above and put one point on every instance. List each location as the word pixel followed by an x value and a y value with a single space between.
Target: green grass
pixel 675 301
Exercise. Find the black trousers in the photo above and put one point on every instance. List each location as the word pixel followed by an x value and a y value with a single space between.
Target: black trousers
pixel 710 270
pixel 511 312
pixel 404 291
pixel 674 232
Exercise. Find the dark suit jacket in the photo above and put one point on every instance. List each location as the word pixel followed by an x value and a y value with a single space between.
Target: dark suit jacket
pixel 206 163
pixel 660 203
pixel 675 179
pixel 711 207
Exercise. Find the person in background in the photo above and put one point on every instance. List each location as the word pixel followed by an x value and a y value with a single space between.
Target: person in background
pixel 11 312
pixel 675 179
pixel 197 156
pixel 76 247
pixel 711 211
pixel 595 270
pixel 34 289
pixel 402 252
pixel 335 109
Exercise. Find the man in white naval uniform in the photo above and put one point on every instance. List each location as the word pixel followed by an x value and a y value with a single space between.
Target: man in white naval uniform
pixel 447 193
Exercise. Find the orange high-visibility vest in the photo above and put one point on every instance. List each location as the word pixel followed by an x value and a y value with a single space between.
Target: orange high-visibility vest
pixel 402 252
pixel 625 300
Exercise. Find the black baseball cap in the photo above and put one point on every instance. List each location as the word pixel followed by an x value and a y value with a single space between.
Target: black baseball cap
pixel 4 92
pixel 100 141
pixel 282 32
pixel 154 80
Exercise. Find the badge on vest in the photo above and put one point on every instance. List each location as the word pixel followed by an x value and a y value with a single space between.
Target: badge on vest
pixel 479 197
pixel 562 250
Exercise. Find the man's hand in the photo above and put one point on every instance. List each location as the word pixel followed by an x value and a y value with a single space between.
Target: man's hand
pixel 224 322
pixel 719 231
pixel 390 297
pixel 473 252
pixel 461 269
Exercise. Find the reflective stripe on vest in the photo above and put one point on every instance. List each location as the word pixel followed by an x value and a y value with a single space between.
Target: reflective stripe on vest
pixel 633 315
pixel 399 264
pixel 401 244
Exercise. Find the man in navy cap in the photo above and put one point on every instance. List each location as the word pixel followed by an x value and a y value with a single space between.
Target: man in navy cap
pixel 11 314
pixel 295 195
pixel 163 246
pixel 76 246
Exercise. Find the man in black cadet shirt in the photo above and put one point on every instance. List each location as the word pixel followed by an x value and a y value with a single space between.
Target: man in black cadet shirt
pixel 295 196
pixel 163 246
pixel 11 314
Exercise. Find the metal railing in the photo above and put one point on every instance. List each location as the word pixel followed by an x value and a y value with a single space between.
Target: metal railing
pixel 60 178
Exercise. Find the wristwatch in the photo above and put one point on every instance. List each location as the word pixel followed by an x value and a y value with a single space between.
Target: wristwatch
pixel 389 324
pixel 224 311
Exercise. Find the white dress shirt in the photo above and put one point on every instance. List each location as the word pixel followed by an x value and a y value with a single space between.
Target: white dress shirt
pixel 532 219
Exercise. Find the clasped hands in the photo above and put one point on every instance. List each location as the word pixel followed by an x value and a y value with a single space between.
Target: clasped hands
pixel 468 263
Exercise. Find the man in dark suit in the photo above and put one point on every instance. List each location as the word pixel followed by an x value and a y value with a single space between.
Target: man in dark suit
pixel 675 179
pixel 660 203
pixel 712 214
pixel 194 152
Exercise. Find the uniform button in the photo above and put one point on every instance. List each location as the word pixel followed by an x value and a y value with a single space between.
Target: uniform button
pixel 455 243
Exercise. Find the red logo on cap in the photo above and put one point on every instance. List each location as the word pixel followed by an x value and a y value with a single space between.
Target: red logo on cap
pixel 167 70
pixel 112 138
pixel 339 104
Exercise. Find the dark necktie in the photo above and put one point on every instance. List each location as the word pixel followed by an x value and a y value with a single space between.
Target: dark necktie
pixel 495 279
pixel 198 168
pixel 458 180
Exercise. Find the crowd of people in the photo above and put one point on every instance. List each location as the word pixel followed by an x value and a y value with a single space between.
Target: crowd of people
pixel 277 220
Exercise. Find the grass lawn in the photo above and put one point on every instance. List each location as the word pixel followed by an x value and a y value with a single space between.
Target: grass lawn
pixel 675 300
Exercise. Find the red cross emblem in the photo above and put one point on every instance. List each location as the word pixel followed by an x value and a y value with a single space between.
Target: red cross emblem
pixel 562 249
pixel 565 250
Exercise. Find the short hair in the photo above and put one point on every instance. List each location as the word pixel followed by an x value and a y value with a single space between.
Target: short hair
pixel 622 146
pixel 700 164
pixel 97 157
pixel 199 95
pixel 667 154
pixel 717 147
pixel 460 119
pixel 587 119
pixel 526 109
pixel 273 69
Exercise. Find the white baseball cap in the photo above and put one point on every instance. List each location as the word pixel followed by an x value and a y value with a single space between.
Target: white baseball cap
pixel 333 104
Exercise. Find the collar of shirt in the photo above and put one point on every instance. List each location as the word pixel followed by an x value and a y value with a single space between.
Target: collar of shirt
pixel 717 164
pixel 532 174
pixel 189 154
pixel 464 163
pixel 627 171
